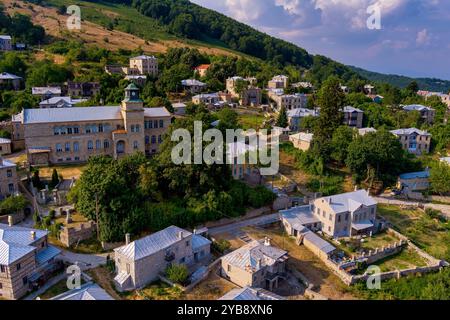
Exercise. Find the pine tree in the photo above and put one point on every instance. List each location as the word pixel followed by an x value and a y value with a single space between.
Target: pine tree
pixel 282 120
pixel 55 179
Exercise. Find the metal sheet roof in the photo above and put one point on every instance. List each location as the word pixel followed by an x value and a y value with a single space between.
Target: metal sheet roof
pixel 254 255
pixel 409 131
pixel 348 201
pixel 153 243
pixel 321 244
pixel 156 112
pixel 89 291
pixel 299 216
pixel 302 112
pixel 199 241
pixel 415 175
pixel 250 294
pixel 71 114
pixel 47 254
pixel 15 242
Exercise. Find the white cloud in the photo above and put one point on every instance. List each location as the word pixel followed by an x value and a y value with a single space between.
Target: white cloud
pixel 423 37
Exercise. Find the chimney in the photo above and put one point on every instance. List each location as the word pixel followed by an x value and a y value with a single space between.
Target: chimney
pixel 33 235
pixel 356 188
pixel 267 242
pixel 10 221
pixel 329 200
pixel 194 231
pixel 180 235
pixel 127 239
pixel 258 263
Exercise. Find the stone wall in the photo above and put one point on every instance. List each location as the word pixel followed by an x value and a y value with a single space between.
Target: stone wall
pixel 71 235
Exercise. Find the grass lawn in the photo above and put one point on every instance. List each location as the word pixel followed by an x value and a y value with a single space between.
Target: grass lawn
pixel 427 233
pixel 251 121
pixel 155 291
pixel 67 171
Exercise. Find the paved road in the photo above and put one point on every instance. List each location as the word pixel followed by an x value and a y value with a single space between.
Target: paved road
pixel 232 227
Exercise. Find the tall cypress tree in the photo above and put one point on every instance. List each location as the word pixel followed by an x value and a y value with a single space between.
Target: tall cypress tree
pixel 282 120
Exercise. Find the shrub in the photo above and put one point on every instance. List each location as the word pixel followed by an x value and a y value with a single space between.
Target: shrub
pixel 177 273
pixel 221 245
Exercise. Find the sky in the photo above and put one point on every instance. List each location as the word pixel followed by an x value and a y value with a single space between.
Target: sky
pixel 414 38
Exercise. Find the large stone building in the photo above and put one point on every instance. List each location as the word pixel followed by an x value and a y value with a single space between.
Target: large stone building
pixel 140 262
pixel 296 116
pixel 290 101
pixel 279 82
pixel 26 259
pixel 8 178
pixel 413 140
pixel 143 65
pixel 83 89
pixel 70 135
pixel 245 90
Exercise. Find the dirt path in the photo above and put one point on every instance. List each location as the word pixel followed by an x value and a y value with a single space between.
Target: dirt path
pixel 96 35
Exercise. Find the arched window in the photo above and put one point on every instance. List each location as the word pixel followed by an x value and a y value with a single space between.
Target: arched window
pixel 135 145
pixel 153 139
pixel 98 144
pixel 67 147
pixel 132 128
pixel 147 139
pixel 76 146
pixel 58 147
pixel 106 144
pixel 90 145
pixel 138 128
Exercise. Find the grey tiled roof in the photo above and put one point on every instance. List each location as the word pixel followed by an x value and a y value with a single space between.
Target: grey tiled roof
pixel 199 241
pixel 249 294
pixel 83 114
pixel 89 291
pixel 153 243
pixel 15 242
pixel 409 131
pixel 349 201
pixel 248 256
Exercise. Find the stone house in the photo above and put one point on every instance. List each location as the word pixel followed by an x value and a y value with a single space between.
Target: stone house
pixel 290 101
pixel 141 262
pixel 10 81
pixel 5 146
pixel 17 132
pixel 296 116
pixel 72 135
pixel 83 89
pixel 353 117
pixel 279 82
pixel 301 140
pixel 25 259
pixel 414 181
pixel 346 214
pixel 413 140
pixel 5 43
pixel 202 69
pixel 46 92
pixel 250 94
pixel 257 264
pixel 193 85
pixel 208 99
pixel 60 102
pixel 144 64
pixel 8 178
pixel 426 113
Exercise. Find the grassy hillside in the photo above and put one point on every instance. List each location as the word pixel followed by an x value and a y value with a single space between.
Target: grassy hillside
pixel 431 84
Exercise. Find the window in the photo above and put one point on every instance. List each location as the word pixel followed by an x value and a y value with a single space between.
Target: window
pixel 161 123
pixel 58 147
pixel 135 145
pixel 76 130
pixel 90 145
pixel 150 124
pixel 100 127
pixel 1 286
pixel 88 129
pixel 98 144
pixel 67 147
pixel 2 268
pixel 138 128
pixel 182 260
pixel 155 124
pixel 153 139
pixel 25 280
pixel 56 131
pixel 346 216
pixel 106 144
pixel 69 130
pixel 147 139
pixel 128 268
pixel 9 173
pixel 331 217
pixel 159 139
pixel 187 243
pixel 11 188
pixel 18 266
pixel 132 128
pixel 76 146
pixel 339 218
